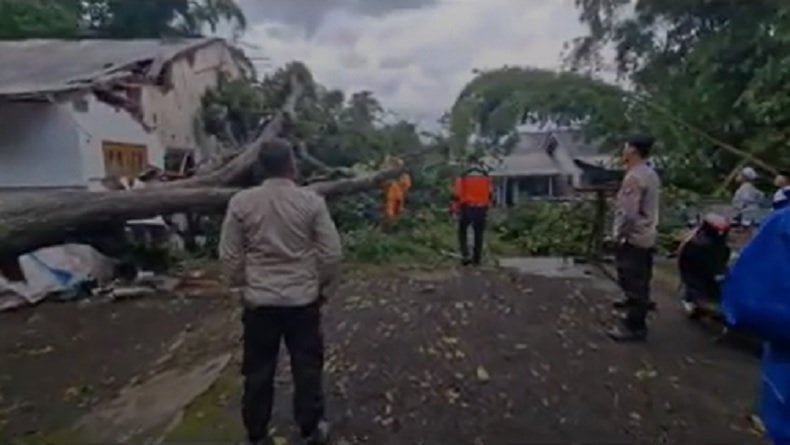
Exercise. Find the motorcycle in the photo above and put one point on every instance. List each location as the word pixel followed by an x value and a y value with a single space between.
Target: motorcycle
pixel 703 259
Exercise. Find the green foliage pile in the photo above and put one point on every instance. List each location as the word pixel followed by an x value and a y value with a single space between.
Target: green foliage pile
pixel 538 228
pixel 546 228
pixel 430 236
pixel 424 237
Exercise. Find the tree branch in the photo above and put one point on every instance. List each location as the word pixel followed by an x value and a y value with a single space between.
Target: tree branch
pixel 239 168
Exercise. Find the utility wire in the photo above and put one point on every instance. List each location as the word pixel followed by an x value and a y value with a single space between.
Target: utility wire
pixel 743 154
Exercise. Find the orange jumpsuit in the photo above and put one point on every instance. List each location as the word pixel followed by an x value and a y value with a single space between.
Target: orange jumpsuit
pixel 395 196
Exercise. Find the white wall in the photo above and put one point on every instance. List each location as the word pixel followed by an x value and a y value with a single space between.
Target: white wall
pixel 173 112
pixel 46 145
pixel 38 146
pixel 100 123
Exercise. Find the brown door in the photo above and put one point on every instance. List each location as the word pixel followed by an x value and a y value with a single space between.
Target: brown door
pixel 124 160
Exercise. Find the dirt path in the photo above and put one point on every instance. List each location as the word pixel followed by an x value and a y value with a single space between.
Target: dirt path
pixel 463 357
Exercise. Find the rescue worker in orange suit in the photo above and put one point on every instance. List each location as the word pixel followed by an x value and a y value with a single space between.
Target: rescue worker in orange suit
pixel 471 200
pixel 395 191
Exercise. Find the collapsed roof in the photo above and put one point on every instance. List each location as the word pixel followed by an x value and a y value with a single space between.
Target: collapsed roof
pixel 38 68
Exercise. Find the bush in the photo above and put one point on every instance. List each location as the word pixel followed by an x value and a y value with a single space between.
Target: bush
pixel 424 237
pixel 430 236
pixel 543 228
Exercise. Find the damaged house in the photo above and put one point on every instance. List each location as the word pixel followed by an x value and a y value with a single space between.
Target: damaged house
pixel 75 113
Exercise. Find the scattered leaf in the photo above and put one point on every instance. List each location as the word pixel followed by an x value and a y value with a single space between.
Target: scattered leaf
pixel 646 374
pixel 42 351
pixel 482 374
pixel 450 340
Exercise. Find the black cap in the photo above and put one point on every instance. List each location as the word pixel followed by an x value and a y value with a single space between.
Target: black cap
pixel 643 143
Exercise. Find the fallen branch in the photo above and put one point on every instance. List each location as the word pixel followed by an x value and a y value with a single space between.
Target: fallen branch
pixel 327 170
pixel 238 170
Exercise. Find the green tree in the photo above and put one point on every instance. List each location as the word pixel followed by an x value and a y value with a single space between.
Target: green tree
pixel 116 18
pixel 717 66
pixel 38 18
pixel 495 102
pixel 339 132
pixel 159 18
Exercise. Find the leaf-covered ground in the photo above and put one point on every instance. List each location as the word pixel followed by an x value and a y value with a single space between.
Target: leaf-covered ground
pixel 446 356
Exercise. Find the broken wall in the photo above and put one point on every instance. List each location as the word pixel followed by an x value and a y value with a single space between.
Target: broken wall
pixel 173 109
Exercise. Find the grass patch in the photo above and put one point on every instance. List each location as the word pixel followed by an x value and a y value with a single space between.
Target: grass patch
pixel 213 417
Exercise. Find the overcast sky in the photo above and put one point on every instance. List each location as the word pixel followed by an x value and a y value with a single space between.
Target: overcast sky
pixel 415 55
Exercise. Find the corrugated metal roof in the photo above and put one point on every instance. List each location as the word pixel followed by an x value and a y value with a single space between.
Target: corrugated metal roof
pixel 529 157
pixel 538 164
pixel 571 140
pixel 40 66
pixel 528 164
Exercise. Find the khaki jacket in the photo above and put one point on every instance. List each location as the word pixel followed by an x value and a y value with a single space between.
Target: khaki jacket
pixel 280 245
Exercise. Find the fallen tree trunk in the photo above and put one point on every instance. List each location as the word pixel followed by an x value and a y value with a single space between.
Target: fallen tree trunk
pixel 32 220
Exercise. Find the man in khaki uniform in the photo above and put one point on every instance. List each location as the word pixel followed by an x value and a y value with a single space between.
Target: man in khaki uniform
pixel 280 245
pixel 636 233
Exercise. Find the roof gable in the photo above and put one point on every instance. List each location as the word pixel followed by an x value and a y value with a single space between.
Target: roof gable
pixel 39 67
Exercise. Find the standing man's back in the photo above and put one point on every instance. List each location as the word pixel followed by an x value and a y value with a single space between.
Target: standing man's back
pixel 280 245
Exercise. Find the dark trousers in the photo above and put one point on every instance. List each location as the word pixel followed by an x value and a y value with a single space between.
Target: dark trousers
pixel 634 274
pixel 476 218
pixel 699 288
pixel 264 329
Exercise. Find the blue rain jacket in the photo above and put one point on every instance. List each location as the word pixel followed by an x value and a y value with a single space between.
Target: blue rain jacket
pixel 756 298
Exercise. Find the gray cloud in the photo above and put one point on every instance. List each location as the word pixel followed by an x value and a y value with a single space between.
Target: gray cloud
pixel 394 63
pixel 310 14
pixel 353 60
pixel 415 55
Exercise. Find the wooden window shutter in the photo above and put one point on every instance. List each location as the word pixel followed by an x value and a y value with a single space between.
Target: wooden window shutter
pixel 124 160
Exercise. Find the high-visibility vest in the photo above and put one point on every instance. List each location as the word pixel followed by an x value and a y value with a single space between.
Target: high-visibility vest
pixel 473 188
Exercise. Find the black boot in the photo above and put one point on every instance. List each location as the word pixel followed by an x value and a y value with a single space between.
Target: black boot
pixel 622 334
pixel 320 436
pixel 624 304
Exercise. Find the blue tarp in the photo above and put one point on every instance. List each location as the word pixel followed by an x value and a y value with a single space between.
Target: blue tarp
pixel 756 298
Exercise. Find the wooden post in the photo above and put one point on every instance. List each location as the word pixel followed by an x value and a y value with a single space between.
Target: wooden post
pixel 596 242
pixel 595 245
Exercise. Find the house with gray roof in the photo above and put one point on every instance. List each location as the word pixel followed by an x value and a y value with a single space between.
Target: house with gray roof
pixel 74 113
pixel 545 164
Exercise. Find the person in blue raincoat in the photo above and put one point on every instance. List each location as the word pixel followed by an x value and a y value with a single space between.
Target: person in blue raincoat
pixel 756 298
